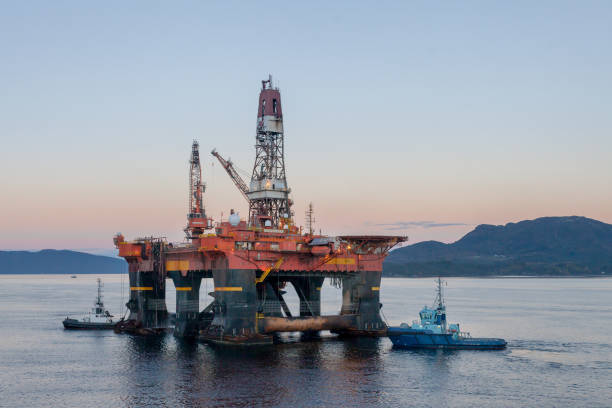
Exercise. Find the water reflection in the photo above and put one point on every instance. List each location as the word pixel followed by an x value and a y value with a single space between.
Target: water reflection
pixel 550 362
pixel 144 369
pixel 146 346
pixel 162 370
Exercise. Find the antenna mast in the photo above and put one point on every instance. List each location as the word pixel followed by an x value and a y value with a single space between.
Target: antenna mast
pixel 310 220
pixel 99 299
pixel 439 298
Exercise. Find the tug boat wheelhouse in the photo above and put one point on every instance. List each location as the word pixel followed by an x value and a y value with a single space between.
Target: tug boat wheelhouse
pixel 97 319
pixel 432 331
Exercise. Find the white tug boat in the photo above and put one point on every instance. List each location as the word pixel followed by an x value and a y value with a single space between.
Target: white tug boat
pixel 97 319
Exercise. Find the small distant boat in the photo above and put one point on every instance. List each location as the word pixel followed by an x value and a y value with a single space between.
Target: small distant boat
pixel 73 276
pixel 97 319
pixel 432 331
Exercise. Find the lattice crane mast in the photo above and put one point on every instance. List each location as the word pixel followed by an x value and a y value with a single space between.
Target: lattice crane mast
pixel 197 221
pixel 229 168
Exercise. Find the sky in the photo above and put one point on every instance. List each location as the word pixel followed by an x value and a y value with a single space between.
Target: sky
pixel 417 118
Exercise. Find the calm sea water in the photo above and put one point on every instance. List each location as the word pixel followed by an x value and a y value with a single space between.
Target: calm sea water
pixel 559 354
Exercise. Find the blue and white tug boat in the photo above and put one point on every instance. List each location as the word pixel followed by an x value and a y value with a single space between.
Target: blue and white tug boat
pixel 432 331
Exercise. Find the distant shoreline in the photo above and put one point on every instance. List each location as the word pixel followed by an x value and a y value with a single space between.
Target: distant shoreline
pixel 385 277
pixel 504 276
pixel 67 273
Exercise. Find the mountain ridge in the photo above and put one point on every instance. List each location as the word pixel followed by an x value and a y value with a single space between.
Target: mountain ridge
pixel 62 261
pixel 571 245
pixel 547 246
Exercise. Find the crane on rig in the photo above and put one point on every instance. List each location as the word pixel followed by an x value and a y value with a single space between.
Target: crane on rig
pixel 229 168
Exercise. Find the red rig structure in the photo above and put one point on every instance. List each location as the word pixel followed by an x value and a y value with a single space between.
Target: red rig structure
pixel 252 261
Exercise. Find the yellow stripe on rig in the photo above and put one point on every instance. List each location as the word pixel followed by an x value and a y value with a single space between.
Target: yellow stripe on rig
pixel 135 288
pixel 375 288
pixel 183 288
pixel 341 261
pixel 268 270
pixel 318 288
pixel 177 265
pixel 228 289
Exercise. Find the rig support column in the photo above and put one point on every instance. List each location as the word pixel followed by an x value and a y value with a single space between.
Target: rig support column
pixel 361 296
pixel 235 320
pixel 269 301
pixel 147 302
pixel 309 291
pixel 187 303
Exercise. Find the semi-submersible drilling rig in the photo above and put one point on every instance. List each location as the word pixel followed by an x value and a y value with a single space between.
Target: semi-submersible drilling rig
pixel 252 261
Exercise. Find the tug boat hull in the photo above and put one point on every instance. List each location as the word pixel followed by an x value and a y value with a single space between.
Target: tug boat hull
pixel 412 339
pixel 74 324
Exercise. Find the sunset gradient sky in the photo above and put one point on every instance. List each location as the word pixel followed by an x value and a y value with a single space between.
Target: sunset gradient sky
pixel 415 118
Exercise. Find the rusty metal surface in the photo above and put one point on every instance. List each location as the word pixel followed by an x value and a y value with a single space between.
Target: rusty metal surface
pixel 311 323
pixel 374 238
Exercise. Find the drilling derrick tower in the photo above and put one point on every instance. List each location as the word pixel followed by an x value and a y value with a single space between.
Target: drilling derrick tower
pixel 196 218
pixel 269 203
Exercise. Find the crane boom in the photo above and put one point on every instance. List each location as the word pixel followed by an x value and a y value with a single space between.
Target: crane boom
pixel 229 168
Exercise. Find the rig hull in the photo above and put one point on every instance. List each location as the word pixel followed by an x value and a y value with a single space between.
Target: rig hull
pixel 248 306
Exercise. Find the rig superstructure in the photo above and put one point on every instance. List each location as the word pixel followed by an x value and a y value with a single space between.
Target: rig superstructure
pixel 251 261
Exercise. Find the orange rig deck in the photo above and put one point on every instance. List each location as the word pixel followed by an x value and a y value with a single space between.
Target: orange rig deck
pixel 251 262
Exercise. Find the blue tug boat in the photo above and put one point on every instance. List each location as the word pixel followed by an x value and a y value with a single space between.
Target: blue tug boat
pixel 432 331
